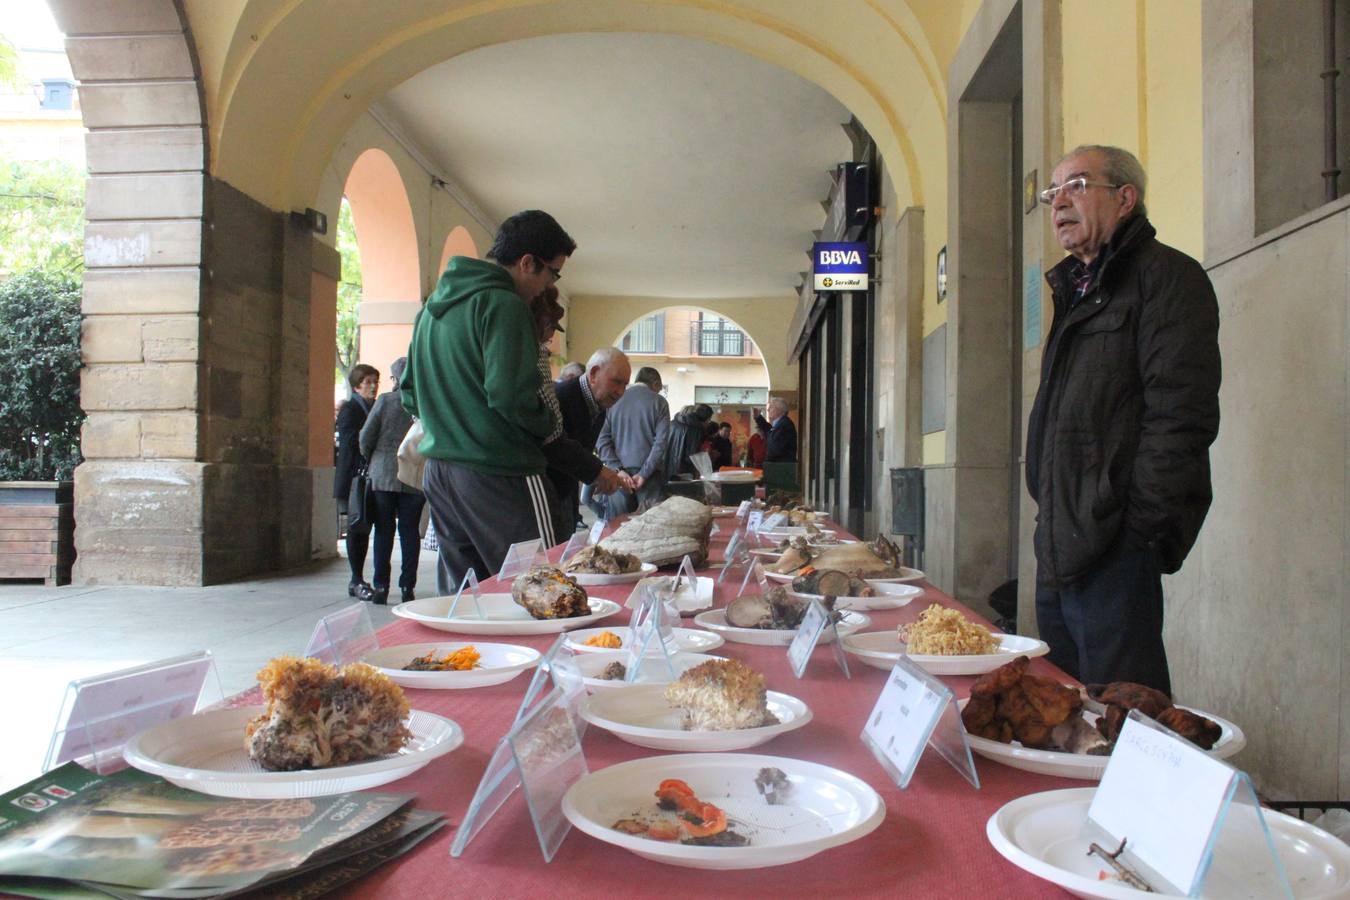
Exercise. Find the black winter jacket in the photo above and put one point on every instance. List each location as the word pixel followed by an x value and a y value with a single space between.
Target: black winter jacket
pixel 1119 435
pixel 571 458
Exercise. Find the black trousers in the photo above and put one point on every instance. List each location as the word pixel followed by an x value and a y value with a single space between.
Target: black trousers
pixel 479 516
pixel 404 510
pixel 1108 625
pixel 358 541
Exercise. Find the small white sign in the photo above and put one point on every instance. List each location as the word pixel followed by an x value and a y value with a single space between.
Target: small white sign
pixel 597 529
pixel 773 521
pixel 470 581
pixel 904 716
pixel 1162 794
pixel 807 636
pixel 522 557
pixel 757 571
pixel 743 510
pixel 753 519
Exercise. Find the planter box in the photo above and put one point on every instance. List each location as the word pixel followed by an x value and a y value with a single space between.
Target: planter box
pixel 37 530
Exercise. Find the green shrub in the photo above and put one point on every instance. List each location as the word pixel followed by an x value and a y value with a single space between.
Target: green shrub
pixel 40 411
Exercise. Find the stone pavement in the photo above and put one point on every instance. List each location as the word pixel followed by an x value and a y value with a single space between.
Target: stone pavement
pixel 50 635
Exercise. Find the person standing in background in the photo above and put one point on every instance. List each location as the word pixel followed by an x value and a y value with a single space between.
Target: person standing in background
pixel 364 381
pixel 634 439
pixel 396 504
pixel 758 444
pixel 1118 438
pixel 585 402
pixel 782 440
pixel 473 380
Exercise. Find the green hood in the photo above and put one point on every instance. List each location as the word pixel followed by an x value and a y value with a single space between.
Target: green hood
pixel 473 375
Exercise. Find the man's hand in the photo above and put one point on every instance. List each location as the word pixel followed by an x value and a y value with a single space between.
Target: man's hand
pixel 638 482
pixel 608 481
pixel 627 481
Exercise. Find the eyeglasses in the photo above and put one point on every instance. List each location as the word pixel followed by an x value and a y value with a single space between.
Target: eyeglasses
pixel 557 273
pixel 1074 187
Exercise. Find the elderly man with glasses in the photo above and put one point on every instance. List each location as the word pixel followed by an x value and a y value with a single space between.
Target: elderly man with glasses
pixel 1118 440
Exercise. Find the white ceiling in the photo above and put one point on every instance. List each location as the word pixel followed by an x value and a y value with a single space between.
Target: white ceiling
pixel 682 169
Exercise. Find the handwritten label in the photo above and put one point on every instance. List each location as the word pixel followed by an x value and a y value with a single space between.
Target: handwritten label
pixel 743 510
pixel 773 521
pixel 596 530
pixel 807 636
pixel 1164 795
pixel 905 714
pixel 101 712
pixel 753 520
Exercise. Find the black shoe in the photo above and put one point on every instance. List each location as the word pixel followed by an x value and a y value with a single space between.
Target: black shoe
pixel 358 589
pixel 408 595
pixel 379 595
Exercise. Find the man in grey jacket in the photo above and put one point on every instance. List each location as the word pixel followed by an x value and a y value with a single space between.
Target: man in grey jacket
pixel 634 439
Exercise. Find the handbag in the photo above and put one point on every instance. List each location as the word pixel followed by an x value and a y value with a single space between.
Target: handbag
pixel 411 462
pixel 360 500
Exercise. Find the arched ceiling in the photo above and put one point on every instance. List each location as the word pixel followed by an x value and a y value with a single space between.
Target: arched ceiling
pixel 285 79
pixel 682 168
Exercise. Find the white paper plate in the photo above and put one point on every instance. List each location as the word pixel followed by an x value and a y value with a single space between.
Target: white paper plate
pixel 592 664
pixel 1039 833
pixel 497 663
pixel 906 575
pixel 206 753
pixel 588 580
pixel 639 714
pixel 882 648
pixel 1081 765
pixel 716 620
pixel 501 615
pixel 687 640
pixel 691 598
pixel 826 808
pixel 888 596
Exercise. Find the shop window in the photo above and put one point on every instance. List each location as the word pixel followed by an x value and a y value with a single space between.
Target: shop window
pixel 57 93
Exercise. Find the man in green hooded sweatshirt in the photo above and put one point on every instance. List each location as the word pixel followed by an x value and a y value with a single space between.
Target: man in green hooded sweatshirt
pixel 473 380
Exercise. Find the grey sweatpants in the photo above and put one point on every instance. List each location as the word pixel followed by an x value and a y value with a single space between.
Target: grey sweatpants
pixel 479 516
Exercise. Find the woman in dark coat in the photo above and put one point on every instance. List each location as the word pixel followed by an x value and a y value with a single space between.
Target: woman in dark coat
pixel 364 381
pixel 396 504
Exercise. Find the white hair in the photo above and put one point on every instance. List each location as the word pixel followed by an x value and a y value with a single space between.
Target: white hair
pixel 780 403
pixel 604 357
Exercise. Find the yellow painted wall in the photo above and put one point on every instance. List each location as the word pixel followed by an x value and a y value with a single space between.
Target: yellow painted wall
pixel 1132 78
pixel 594 322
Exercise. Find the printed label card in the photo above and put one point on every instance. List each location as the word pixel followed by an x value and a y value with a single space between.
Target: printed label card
pixel 756 571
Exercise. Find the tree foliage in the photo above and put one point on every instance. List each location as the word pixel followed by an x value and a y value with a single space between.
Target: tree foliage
pixel 348 294
pixel 41 216
pixel 9 63
pixel 40 411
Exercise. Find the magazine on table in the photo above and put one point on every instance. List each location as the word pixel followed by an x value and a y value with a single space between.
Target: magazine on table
pixel 74 833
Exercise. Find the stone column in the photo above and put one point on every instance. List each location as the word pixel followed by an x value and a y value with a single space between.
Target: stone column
pixel 138 495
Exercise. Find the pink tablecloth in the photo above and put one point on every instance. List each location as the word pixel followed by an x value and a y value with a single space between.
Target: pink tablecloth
pixel 931 844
